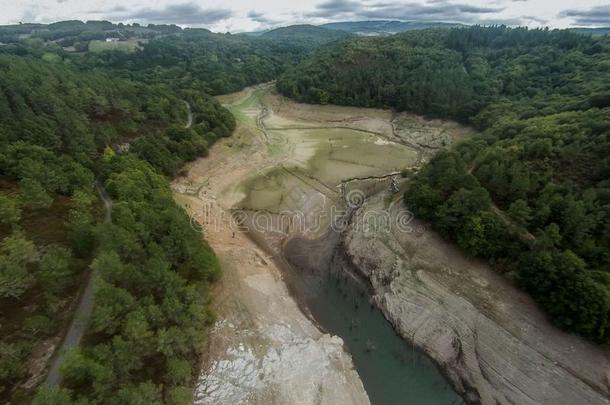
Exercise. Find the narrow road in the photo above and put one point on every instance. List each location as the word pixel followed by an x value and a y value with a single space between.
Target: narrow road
pixel 189 118
pixel 85 306
pixel 521 231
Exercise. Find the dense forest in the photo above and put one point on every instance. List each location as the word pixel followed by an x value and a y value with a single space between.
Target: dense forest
pixel 184 58
pixel 71 114
pixel 304 36
pixel 200 60
pixel 60 123
pixel 531 192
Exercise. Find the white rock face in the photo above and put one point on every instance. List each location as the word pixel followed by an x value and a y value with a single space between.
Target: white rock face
pixel 489 337
pixel 263 349
pixel 292 369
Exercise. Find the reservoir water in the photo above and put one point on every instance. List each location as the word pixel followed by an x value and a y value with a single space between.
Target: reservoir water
pixel 393 372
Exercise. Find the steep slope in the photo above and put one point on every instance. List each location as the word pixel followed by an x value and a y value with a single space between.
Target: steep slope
pixel 490 339
pixel 541 100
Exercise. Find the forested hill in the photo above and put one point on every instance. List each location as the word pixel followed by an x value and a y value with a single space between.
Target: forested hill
pixel 75 108
pixel 385 27
pixel 531 193
pixel 304 36
pixel 199 59
pixel 186 58
pixel 59 126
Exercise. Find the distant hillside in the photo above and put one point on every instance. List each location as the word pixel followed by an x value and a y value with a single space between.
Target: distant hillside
pixel 592 31
pixel 308 36
pixel 384 27
pixel 76 35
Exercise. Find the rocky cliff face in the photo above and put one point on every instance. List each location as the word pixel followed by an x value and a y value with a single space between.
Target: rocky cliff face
pixel 490 339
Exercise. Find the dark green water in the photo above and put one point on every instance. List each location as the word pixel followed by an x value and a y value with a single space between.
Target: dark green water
pixel 392 371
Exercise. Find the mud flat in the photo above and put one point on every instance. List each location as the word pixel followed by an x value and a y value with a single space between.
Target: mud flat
pixel 490 339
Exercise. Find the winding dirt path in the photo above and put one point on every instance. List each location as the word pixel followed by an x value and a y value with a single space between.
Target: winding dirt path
pixel 78 326
pixel 189 116
pixel 84 310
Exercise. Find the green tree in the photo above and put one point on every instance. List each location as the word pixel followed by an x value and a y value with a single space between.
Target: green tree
pixel 141 394
pixel 16 254
pixel 520 212
pixel 10 210
pixel 482 235
pixel 55 269
pixel 34 194
pixel 179 371
pixel 53 396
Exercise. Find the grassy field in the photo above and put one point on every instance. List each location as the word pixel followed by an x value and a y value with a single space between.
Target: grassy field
pixel 126 46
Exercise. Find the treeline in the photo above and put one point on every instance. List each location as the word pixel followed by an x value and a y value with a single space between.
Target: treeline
pixel 531 192
pixel 452 73
pixel 58 125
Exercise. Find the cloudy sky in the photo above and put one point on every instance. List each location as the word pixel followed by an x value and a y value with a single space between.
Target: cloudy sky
pixel 249 15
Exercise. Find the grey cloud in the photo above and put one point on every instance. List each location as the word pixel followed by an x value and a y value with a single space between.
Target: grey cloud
pixel 540 21
pixel 260 18
pixel 29 16
pixel 465 8
pixel 438 10
pixel 186 13
pixel 334 8
pixel 595 16
pixel 119 9
pixel 339 5
pixel 514 21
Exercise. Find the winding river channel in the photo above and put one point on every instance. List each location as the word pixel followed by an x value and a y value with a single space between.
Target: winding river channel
pixel 392 371
pixel 289 168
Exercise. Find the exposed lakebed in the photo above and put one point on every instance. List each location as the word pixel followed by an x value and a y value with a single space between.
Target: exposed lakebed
pixel 293 159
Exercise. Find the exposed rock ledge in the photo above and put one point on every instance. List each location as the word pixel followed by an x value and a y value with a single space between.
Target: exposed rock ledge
pixel 490 339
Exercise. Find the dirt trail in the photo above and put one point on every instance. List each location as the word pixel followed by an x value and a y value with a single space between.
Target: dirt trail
pixel 189 116
pixel 85 306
